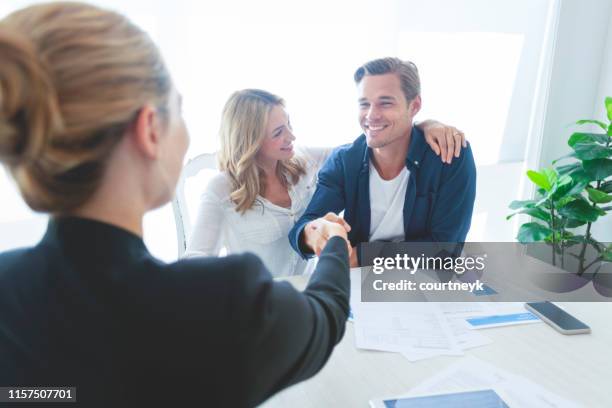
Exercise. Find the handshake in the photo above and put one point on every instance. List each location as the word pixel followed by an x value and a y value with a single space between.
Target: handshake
pixel 319 231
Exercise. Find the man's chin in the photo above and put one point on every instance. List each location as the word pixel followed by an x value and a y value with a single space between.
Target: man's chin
pixel 375 142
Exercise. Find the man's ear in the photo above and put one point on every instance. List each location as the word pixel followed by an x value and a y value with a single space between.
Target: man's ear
pixel 146 132
pixel 415 105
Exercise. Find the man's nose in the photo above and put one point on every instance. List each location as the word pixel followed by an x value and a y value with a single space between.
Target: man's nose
pixel 373 113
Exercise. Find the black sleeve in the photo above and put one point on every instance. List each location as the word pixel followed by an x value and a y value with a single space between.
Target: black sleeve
pixel 287 335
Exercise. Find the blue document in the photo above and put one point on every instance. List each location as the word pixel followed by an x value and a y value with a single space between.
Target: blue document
pixel 500 320
pixel 486 291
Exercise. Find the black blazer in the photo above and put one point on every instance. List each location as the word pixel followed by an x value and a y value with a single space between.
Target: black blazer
pixel 90 307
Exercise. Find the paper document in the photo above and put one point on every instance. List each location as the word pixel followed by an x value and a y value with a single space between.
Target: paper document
pixel 402 326
pixel 471 373
pixel 420 330
pixel 416 330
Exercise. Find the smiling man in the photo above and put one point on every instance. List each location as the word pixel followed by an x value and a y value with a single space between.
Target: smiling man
pixel 391 186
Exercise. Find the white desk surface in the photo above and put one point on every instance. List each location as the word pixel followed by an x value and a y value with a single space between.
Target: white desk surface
pixel 577 367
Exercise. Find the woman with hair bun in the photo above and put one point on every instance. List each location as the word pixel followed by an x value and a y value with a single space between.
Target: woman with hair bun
pixel 91 131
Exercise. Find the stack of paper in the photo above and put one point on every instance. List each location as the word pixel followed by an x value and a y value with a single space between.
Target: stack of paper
pixel 423 330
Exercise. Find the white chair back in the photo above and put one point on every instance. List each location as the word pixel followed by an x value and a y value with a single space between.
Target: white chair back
pixel 180 203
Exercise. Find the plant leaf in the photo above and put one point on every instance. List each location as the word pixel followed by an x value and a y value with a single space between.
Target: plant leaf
pixel 568 168
pixel 609 108
pixel 579 180
pixel 591 151
pixel 606 253
pixel 593 122
pixel 580 210
pixel 598 196
pixel 539 179
pixel 563 201
pixel 533 232
pixel 602 138
pixel 563 180
pixel 540 193
pixel 572 223
pixel 581 175
pixel 577 188
pixel 543 202
pixel 606 186
pixel 516 204
pixel 588 138
pixel 576 238
pixel 534 212
pixel 598 169
pixel 562 187
pixel 551 176
pixel 567 156
pixel 538 213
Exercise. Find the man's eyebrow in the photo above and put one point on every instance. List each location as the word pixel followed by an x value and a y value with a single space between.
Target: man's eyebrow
pixel 383 98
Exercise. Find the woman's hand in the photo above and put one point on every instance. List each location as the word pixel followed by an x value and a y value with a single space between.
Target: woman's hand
pixel 445 141
pixel 319 231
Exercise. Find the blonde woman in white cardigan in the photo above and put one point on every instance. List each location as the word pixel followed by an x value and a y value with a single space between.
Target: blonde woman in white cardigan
pixel 266 182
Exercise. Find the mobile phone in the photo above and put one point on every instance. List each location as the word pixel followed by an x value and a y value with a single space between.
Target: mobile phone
pixel 558 318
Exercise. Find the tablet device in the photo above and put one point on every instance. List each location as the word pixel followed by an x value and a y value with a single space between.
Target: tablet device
pixel 473 399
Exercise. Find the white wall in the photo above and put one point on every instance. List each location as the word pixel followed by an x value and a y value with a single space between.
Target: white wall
pixel 581 75
pixel 603 230
pixel 515 27
pixel 605 80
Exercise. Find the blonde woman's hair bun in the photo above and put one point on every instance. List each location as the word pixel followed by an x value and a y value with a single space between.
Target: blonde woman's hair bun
pixel 29 110
pixel 72 78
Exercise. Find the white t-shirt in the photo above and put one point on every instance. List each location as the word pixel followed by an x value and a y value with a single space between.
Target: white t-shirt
pixel 387 206
pixel 262 229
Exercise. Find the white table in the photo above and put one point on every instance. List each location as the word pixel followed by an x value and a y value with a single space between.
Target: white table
pixel 576 367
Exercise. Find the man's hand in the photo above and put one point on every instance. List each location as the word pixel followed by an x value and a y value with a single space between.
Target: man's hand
pixel 319 231
pixel 443 140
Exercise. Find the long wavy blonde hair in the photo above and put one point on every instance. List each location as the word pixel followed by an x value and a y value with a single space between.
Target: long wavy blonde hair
pixel 243 129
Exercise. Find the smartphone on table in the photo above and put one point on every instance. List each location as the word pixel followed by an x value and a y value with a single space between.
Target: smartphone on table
pixel 558 318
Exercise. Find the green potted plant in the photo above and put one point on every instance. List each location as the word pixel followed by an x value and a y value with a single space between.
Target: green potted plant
pixel 571 196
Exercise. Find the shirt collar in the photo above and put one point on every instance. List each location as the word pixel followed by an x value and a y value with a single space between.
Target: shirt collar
pixel 416 150
pixel 87 236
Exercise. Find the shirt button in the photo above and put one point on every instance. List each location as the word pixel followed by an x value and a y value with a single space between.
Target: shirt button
pixel 416 162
